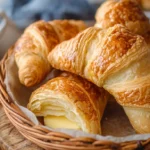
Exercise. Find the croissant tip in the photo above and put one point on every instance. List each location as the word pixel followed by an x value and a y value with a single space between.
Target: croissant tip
pixel 28 82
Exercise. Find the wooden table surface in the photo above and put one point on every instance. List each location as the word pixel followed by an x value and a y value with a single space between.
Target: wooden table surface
pixel 10 138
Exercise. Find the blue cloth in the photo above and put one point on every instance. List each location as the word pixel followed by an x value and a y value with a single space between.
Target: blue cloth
pixel 24 12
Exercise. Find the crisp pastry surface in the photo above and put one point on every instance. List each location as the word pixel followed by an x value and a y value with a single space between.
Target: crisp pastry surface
pixel 73 97
pixel 67 29
pixel 97 53
pixel 125 12
pixel 32 49
pixel 115 59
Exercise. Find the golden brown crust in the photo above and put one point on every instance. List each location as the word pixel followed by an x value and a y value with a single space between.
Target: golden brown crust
pixel 32 49
pixel 112 47
pixel 117 44
pixel 84 96
pixel 66 30
pixel 114 59
pixel 73 55
pixel 125 12
pixel 29 40
pixel 135 93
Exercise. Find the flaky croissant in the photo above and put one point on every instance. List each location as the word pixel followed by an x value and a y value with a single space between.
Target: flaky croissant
pixel 37 41
pixel 68 101
pixel 125 12
pixel 115 59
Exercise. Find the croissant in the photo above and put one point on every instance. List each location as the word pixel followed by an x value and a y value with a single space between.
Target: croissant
pixel 115 59
pixel 37 41
pixel 125 12
pixel 68 101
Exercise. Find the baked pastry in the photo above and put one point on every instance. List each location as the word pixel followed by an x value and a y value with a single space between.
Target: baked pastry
pixel 115 59
pixel 37 41
pixel 68 101
pixel 125 12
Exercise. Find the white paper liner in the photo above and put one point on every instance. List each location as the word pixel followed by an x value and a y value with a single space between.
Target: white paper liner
pixel 115 124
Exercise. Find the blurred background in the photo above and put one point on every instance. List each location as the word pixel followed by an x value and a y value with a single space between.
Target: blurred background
pixel 16 15
pixel 24 12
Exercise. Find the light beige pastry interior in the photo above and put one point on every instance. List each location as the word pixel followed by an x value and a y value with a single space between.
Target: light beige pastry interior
pixel 71 102
pixel 115 59
pixel 125 12
pixel 32 49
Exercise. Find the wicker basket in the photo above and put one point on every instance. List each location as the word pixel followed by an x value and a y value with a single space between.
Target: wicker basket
pixel 55 140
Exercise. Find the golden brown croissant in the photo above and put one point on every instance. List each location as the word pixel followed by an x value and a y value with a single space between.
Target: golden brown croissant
pixel 115 59
pixel 37 41
pixel 68 101
pixel 125 12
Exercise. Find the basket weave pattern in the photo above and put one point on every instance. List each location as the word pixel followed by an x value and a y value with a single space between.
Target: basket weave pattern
pixel 55 140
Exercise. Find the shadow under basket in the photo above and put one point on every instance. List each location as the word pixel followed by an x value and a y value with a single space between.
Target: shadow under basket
pixel 47 139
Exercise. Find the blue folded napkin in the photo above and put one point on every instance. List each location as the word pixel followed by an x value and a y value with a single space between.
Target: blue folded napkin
pixel 24 12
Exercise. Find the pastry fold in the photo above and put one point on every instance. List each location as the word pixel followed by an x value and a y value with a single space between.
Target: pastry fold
pixel 115 59
pixel 32 49
pixel 125 12
pixel 73 98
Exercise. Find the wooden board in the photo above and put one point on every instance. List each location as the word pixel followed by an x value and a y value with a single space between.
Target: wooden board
pixel 10 138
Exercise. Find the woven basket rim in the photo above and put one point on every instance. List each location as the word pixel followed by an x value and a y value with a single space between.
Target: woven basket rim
pixel 47 139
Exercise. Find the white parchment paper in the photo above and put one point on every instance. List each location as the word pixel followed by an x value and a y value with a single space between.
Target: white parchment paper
pixel 115 124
